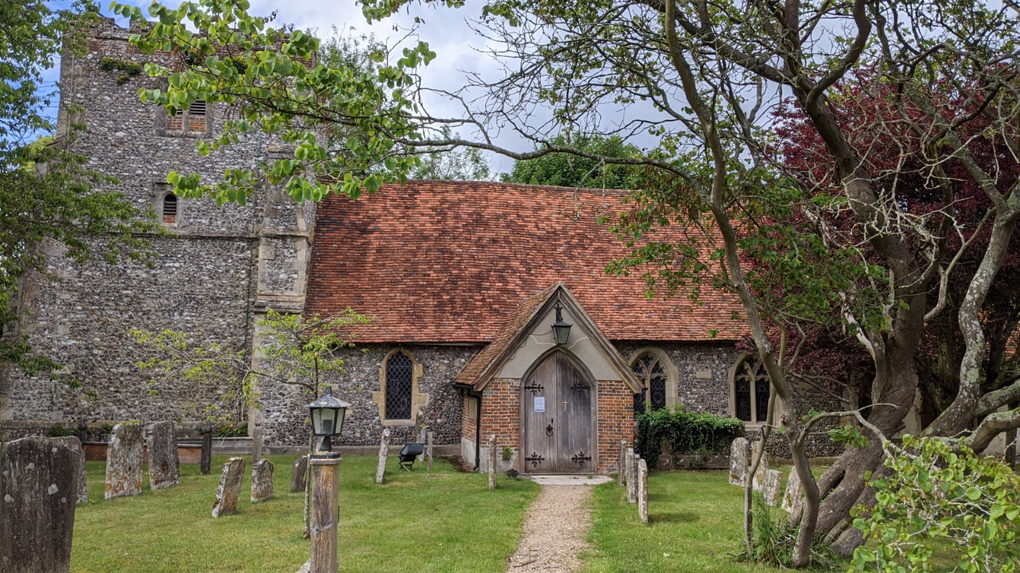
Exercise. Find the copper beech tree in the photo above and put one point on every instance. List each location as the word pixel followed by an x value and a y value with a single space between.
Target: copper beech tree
pixel 898 216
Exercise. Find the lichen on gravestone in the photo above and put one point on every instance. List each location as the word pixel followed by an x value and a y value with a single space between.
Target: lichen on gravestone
pixel 124 461
pixel 643 490
pixel 38 494
pixel 794 491
pixel 298 474
pixel 262 480
pixel 738 462
pixel 164 462
pixel 229 489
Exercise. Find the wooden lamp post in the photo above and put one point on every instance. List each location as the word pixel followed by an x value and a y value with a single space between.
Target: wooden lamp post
pixel 327 421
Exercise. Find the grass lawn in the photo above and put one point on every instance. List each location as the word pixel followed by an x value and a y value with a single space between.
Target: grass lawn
pixel 695 524
pixel 439 521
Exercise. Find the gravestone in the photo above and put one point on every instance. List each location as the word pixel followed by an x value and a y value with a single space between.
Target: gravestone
pixel 421 440
pixel 738 462
pixel 621 466
pixel 794 491
pixel 164 464
pixel 632 461
pixel 384 448
pixel 257 441
pixel 262 480
pixel 428 452
pixel 124 461
pixel 206 462
pixel 229 490
pixel 38 492
pixel 298 474
pixel 83 484
pixel 770 485
pixel 492 462
pixel 643 490
pixel 757 482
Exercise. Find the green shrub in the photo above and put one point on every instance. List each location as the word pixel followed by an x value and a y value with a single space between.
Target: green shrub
pixel 684 433
pixel 938 498
pixel 59 431
pixel 231 431
pixel 128 69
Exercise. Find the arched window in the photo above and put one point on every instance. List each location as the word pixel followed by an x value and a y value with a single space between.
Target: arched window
pixel 399 386
pixel 656 374
pixel 751 390
pixel 170 209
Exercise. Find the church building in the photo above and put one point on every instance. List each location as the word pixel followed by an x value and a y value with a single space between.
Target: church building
pixel 491 311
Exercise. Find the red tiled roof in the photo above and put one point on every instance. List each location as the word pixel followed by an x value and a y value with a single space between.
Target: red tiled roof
pixel 450 261
pixel 504 336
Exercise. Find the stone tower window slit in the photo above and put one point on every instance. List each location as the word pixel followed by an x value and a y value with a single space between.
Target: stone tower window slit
pixel 399 380
pixel 170 209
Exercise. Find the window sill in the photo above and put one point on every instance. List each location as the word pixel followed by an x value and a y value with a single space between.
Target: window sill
pixel 398 422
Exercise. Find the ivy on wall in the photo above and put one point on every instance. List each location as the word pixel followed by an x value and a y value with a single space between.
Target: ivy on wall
pixel 683 433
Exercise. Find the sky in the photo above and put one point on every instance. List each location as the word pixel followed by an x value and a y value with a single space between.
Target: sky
pixel 446 30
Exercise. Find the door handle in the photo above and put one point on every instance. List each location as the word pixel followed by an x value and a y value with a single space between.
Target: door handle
pixel 549 428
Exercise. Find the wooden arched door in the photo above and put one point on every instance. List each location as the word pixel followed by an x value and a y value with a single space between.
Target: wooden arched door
pixel 556 403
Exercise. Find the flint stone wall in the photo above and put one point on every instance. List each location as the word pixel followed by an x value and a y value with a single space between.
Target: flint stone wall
pixel 204 281
pixel 38 494
pixel 284 406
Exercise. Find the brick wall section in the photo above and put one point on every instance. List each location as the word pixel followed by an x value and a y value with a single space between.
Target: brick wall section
pixel 467 428
pixel 616 422
pixel 501 415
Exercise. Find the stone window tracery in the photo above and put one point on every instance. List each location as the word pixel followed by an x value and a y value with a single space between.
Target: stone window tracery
pixel 658 378
pixel 750 391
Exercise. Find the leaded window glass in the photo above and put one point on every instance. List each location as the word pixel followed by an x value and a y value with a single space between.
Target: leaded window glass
pixel 751 391
pixel 399 379
pixel 652 374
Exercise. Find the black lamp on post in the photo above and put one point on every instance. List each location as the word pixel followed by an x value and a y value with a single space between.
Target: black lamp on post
pixel 561 330
pixel 327 421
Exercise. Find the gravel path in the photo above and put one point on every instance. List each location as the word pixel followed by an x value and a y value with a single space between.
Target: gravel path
pixel 554 530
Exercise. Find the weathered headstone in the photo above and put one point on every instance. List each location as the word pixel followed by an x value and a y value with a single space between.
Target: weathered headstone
pixel 384 448
pixel 257 441
pixel 262 480
pixel 738 462
pixel 621 467
pixel 229 490
pixel 794 491
pixel 206 462
pixel 632 461
pixel 298 474
pixel 421 440
pixel 492 462
pixel 164 464
pixel 758 480
pixel 643 490
pixel 124 461
pixel 770 485
pixel 83 483
pixel 38 491
pixel 428 451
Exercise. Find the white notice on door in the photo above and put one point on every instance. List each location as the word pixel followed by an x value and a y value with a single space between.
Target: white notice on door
pixel 540 403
